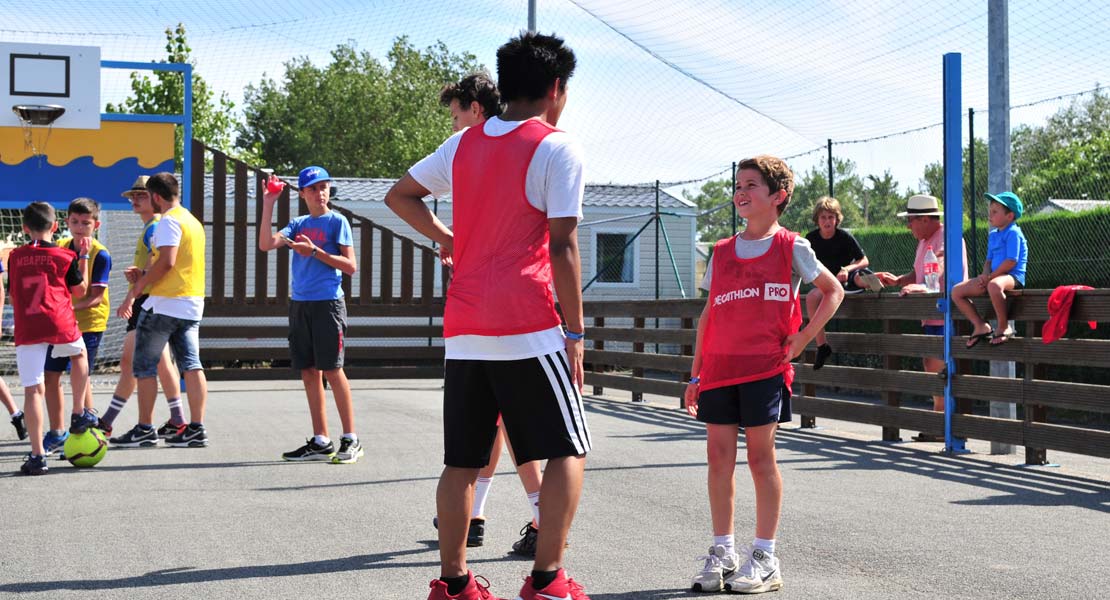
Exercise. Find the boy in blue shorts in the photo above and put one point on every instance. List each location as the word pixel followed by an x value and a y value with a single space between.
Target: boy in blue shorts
pixel 1004 270
pixel 317 313
pixel 747 335
pixel 92 310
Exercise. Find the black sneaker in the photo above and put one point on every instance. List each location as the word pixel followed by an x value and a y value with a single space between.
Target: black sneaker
pixel 311 451
pixel 20 427
pixel 138 437
pixel 824 351
pixel 475 535
pixel 168 429
pixel 193 436
pixel 35 465
pixel 103 426
pixel 526 545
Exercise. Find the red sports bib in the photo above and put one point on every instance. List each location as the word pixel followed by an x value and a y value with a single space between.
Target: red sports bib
pixel 752 310
pixel 502 279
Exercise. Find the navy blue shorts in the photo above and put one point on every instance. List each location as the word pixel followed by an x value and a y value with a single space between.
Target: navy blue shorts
pixel 61 365
pixel 748 404
pixel 934 329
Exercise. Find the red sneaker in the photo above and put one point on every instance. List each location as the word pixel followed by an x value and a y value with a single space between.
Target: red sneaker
pixel 563 588
pixel 472 591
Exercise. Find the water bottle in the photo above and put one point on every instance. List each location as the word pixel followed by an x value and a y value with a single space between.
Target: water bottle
pixel 932 270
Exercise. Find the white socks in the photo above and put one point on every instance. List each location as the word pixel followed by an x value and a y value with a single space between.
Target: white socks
pixel 481 492
pixel 534 502
pixel 321 440
pixel 728 541
pixel 768 546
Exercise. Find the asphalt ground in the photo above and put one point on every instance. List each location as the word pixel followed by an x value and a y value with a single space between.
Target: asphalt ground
pixel 862 518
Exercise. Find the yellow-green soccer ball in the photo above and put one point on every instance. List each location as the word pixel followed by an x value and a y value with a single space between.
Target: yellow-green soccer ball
pixel 86 449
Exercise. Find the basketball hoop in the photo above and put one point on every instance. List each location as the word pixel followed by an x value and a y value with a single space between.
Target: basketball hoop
pixel 37 115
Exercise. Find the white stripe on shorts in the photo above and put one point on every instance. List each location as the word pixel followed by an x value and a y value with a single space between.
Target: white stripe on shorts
pixel 570 401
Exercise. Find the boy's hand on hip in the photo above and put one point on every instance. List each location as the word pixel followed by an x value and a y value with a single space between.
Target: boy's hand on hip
pixel 794 345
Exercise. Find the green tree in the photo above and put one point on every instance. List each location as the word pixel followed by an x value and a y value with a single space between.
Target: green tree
pixel 356 116
pixel 848 189
pixel 932 180
pixel 164 94
pixel 713 194
pixel 881 201
pixel 1041 155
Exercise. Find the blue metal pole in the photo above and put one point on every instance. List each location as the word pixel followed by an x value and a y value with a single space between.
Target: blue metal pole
pixel 953 231
pixel 187 141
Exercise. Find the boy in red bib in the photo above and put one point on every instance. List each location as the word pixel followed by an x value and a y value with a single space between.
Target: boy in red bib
pixel 516 185
pixel 747 335
pixel 43 280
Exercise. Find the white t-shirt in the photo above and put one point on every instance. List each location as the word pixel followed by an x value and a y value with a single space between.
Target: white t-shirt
pixel 806 267
pixel 554 184
pixel 167 232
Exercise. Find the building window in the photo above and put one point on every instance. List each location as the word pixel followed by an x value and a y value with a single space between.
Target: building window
pixel 615 258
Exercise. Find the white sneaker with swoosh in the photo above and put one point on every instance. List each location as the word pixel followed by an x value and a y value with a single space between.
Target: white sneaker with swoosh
pixel 760 573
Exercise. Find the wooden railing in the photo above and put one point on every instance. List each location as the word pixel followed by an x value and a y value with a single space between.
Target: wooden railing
pixel 246 282
pixel 667 369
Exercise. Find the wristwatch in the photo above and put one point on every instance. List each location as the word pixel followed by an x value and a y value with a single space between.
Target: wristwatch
pixel 314 249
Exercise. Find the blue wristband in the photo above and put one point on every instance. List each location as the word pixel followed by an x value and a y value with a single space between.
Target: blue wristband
pixel 575 336
pixel 695 380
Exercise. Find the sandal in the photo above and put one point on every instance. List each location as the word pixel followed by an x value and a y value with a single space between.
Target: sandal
pixel 974 339
pixel 1001 338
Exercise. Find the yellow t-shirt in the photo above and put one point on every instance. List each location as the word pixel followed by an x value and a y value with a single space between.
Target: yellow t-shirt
pixel 187 276
pixel 143 250
pixel 91 320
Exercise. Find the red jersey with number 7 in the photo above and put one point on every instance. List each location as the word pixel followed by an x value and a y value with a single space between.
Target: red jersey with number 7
pixel 39 277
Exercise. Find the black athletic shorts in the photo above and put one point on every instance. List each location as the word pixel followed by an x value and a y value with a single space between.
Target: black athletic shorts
pixel 539 404
pixel 749 404
pixel 136 308
pixel 316 329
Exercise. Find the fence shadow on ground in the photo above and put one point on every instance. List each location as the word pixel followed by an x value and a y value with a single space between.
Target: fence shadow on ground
pixel 810 450
pixel 189 575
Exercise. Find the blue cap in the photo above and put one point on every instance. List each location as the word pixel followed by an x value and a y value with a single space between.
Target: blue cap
pixel 311 175
pixel 1010 200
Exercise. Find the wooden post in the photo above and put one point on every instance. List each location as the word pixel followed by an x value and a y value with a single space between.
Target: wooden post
pixel 239 235
pixel 407 264
pixel 809 389
pixel 261 259
pixel 599 344
pixel 283 252
pixel 366 262
pixel 1033 413
pixel 687 350
pixel 891 363
pixel 387 266
pixel 638 347
pixel 219 226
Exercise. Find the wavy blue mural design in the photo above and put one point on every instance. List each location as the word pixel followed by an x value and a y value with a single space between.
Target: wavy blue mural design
pixel 35 179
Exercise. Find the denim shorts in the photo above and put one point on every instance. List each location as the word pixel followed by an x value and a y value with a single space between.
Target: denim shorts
pixel 154 332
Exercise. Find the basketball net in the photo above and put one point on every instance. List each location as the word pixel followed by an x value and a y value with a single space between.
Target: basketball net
pixel 38 150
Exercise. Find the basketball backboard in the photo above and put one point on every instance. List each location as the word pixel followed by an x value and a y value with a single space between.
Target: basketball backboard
pixel 68 76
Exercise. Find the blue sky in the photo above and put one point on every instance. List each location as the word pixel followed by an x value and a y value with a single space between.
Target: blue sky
pixel 666 89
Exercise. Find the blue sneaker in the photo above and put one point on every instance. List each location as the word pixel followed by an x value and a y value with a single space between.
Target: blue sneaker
pixel 52 442
pixel 81 423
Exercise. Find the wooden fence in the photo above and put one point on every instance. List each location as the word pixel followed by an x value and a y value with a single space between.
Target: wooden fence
pixel 386 285
pixel 640 370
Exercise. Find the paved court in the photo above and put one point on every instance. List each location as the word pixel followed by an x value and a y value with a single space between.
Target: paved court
pixel 862 519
